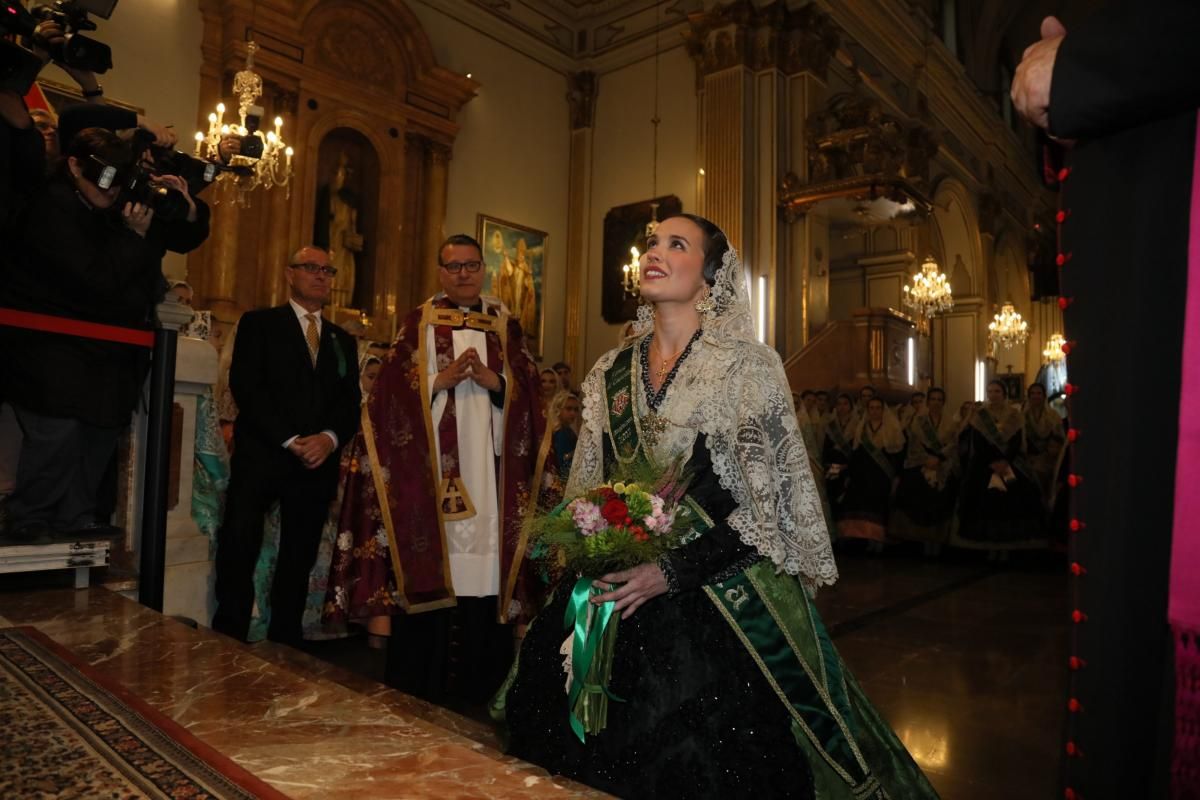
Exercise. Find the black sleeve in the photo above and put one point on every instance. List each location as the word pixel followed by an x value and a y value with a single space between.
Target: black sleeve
pixel 22 170
pixel 96 268
pixel 245 375
pixel 345 411
pixel 719 551
pixel 181 236
pixel 498 395
pixel 1124 66
pixel 92 115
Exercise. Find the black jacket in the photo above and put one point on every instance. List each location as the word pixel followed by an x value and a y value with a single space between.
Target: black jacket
pixel 280 395
pixel 72 261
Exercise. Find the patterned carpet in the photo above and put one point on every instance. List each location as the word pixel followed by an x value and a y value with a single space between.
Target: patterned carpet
pixel 66 731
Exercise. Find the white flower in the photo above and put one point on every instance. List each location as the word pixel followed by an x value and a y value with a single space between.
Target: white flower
pixel 344 540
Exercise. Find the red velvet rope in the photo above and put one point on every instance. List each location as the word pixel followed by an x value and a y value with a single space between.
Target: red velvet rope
pixel 75 327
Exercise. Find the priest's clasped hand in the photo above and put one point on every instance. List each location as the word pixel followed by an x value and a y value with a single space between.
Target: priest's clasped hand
pixel 467 366
pixel 643 582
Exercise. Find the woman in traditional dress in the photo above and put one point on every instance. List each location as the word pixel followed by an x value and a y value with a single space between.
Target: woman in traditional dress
pixel 928 490
pixel 1045 442
pixel 873 472
pixel 729 684
pixel 564 416
pixel 836 449
pixel 1000 507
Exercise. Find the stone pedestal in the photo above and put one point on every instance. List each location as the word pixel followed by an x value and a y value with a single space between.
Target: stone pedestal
pixel 189 564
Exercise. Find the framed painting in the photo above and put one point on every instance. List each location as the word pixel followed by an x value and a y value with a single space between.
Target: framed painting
pixel 625 227
pixel 514 259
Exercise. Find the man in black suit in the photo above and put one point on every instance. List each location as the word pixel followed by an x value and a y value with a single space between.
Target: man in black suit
pixel 294 377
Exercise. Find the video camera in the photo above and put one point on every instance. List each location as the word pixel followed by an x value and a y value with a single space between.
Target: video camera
pixel 17 65
pixel 135 177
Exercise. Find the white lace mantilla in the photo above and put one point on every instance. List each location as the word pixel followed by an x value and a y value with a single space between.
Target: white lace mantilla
pixel 732 389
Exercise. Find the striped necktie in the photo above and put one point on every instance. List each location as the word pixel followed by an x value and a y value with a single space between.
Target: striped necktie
pixel 313 337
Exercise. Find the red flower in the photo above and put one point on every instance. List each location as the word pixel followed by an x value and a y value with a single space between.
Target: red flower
pixel 615 511
pixel 639 533
pixel 604 494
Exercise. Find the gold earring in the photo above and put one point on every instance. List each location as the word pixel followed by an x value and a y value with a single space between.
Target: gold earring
pixel 705 304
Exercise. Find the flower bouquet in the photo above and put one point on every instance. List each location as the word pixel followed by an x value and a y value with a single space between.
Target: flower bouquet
pixel 610 528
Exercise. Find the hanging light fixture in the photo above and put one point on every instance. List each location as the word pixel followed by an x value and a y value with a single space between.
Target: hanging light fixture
pixel 930 293
pixel 1054 349
pixel 1007 329
pixel 632 272
pixel 273 167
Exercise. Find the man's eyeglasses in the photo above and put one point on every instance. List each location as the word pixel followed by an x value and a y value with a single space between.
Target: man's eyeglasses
pixel 455 267
pixel 313 269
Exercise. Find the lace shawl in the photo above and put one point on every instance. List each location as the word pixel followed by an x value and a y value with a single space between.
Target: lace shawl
pixel 738 396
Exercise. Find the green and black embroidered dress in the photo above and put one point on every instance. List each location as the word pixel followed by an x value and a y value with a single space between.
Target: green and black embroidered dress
pixel 729 685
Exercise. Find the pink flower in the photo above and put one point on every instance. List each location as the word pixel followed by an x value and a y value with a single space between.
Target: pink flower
pixel 587 516
pixel 659 521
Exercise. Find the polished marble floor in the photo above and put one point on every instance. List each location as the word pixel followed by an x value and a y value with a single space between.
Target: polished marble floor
pixel 965 660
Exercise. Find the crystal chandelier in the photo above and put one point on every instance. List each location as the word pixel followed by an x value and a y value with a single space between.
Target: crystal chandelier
pixel 274 167
pixel 1054 349
pixel 930 293
pixel 1007 329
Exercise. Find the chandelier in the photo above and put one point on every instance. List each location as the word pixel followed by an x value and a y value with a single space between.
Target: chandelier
pixel 1007 329
pixel 1054 349
pixel 274 166
pixel 930 293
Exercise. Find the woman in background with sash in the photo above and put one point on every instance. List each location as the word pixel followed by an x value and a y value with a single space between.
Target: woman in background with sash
pixel 836 450
pixel 724 682
pixel 1000 509
pixel 874 470
pixel 1045 441
pixel 928 491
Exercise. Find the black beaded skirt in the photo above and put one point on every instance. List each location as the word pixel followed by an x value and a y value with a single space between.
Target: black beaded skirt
pixel 698 719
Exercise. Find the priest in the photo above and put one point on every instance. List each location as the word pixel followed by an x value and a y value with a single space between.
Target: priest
pixel 452 458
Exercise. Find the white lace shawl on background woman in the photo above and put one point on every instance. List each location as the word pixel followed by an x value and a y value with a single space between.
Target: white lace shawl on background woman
pixel 738 396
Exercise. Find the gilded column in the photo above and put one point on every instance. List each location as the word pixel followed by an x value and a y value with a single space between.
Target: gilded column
pixel 581 94
pixel 222 274
pixel 278 245
pixel 437 162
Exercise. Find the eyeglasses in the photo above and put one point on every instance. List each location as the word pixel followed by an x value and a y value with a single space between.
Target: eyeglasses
pixel 455 267
pixel 313 269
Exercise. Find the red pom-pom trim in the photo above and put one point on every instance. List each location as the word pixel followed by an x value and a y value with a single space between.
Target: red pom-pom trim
pixel 1064 173
pixel 1078 617
pixel 1074 481
pixel 1078 569
pixel 1076 663
pixel 1073 435
pixel 1074 706
pixel 1062 215
pixel 1064 302
pixel 1078 525
pixel 1070 389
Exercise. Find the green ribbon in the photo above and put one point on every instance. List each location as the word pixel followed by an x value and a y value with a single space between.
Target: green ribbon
pixel 586 643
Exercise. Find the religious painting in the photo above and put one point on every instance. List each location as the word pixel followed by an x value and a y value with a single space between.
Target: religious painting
pixel 514 258
pixel 347 216
pixel 1014 385
pixel 625 228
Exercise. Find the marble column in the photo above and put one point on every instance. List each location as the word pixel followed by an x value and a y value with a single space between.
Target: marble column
pixel 760 70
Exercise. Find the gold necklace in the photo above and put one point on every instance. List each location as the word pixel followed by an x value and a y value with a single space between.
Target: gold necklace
pixel 662 369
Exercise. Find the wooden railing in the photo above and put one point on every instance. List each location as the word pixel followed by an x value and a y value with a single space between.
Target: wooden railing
pixel 870 348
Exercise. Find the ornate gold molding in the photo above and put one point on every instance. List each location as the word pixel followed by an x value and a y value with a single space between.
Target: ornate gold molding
pixel 767 37
pixel 582 88
pixel 856 150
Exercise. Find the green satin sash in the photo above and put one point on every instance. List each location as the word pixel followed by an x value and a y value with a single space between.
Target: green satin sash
pixel 773 618
pixel 618 400
pixel 878 456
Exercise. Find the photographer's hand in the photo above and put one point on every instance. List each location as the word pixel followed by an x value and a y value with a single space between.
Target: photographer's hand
pixel 137 218
pixel 180 185
pixel 229 147
pixel 164 136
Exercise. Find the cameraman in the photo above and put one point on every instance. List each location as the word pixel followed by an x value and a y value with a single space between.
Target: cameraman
pixel 78 253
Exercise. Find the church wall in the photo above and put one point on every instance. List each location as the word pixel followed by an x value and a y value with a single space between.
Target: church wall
pixel 622 162
pixel 511 156
pixel 156 67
